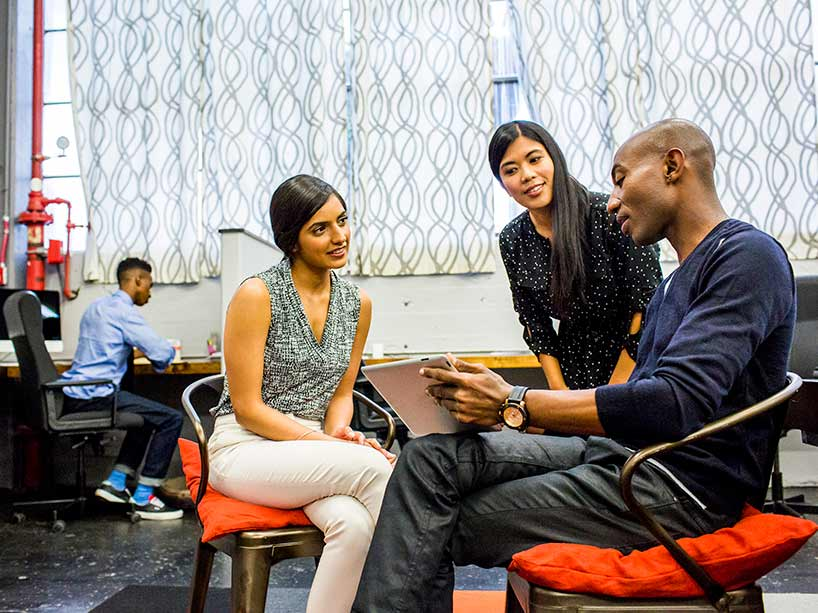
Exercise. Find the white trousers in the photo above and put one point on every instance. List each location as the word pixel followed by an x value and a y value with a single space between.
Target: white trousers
pixel 339 485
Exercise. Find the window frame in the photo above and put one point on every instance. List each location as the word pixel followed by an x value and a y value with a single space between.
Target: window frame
pixel 56 20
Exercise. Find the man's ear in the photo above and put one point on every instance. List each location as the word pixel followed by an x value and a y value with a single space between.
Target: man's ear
pixel 674 165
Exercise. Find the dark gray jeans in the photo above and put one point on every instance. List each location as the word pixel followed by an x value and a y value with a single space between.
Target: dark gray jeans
pixel 154 443
pixel 480 498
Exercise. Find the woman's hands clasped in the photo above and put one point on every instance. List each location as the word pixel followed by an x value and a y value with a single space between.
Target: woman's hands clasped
pixel 345 433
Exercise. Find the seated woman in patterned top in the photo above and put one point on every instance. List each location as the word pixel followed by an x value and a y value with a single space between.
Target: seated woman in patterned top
pixel 293 340
pixel 569 265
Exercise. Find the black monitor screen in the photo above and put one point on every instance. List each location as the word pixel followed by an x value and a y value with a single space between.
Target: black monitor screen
pixel 50 306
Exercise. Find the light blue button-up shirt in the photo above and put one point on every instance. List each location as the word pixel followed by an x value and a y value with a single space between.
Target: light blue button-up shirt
pixel 109 330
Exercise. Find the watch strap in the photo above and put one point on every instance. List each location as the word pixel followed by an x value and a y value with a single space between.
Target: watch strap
pixel 517 394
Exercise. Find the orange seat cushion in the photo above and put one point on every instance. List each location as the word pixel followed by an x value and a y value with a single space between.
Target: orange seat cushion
pixel 221 514
pixel 734 557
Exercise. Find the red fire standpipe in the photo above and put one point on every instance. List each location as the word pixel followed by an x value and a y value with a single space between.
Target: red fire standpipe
pixel 55 255
pixel 35 217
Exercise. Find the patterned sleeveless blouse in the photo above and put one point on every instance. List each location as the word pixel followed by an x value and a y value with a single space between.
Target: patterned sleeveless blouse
pixel 300 374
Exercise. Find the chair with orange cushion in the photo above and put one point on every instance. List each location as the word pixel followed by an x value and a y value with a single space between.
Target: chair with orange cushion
pixel 254 536
pixel 714 571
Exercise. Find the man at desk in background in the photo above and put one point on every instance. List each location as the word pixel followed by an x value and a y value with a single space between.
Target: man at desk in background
pixel 110 329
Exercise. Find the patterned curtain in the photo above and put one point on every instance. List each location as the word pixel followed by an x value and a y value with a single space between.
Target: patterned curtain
pixel 422 101
pixel 275 105
pixel 191 113
pixel 743 71
pixel 135 83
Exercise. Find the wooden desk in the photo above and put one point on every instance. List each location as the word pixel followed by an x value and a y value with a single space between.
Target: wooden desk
pixel 212 367
pixel 185 367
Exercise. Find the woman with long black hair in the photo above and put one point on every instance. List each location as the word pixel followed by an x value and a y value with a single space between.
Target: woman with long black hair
pixel 579 285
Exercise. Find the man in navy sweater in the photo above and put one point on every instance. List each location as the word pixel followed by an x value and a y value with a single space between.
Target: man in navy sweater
pixel 716 339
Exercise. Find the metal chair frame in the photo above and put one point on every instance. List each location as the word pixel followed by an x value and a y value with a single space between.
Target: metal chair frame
pixel 531 598
pixel 253 552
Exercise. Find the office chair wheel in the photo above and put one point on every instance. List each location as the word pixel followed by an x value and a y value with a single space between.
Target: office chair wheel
pixel 134 517
pixel 58 526
pixel 18 518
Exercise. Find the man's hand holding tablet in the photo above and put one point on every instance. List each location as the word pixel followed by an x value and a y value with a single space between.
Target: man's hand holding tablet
pixel 403 386
pixel 472 393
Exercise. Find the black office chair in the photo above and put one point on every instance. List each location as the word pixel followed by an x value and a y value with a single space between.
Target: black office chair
pixel 42 393
pixel 803 414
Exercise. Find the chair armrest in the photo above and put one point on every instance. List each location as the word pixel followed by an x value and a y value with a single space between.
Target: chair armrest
pixel 376 408
pixel 60 383
pixel 63 383
pixel 714 592
pixel 215 382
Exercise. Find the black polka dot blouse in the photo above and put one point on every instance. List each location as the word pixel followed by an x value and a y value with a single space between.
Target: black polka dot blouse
pixel 620 280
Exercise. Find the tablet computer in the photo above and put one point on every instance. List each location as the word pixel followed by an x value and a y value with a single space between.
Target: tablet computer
pixel 400 384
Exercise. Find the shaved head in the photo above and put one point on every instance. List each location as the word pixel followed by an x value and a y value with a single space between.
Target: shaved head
pixel 660 137
pixel 663 185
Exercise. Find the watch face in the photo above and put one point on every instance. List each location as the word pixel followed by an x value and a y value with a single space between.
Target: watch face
pixel 513 416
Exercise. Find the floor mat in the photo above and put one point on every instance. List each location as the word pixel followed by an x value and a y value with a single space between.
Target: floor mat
pixel 170 599
pixel 166 598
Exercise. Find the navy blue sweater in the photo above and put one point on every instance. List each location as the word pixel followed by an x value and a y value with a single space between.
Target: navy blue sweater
pixel 716 339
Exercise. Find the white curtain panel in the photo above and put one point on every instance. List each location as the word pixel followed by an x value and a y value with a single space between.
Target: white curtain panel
pixel 189 115
pixel 422 103
pixel 135 109
pixel 274 107
pixel 743 71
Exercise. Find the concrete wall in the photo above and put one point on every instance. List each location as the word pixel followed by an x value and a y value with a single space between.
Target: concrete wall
pixel 424 314
pixel 187 312
pixel 421 314
pixel 416 315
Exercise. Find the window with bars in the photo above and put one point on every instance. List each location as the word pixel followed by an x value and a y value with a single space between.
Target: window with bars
pixel 509 100
pixel 61 169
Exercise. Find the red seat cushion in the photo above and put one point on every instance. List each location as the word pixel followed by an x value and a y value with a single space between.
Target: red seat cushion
pixel 222 515
pixel 734 557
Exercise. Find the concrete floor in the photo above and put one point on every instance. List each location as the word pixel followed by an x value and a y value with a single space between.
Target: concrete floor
pixel 101 554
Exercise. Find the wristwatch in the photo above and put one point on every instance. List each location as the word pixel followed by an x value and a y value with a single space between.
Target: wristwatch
pixel 513 412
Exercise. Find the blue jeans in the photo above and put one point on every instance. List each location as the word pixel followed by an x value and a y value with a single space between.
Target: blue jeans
pixel 154 442
pixel 481 498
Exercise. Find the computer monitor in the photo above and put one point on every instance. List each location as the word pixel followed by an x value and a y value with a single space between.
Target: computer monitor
pixel 52 331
